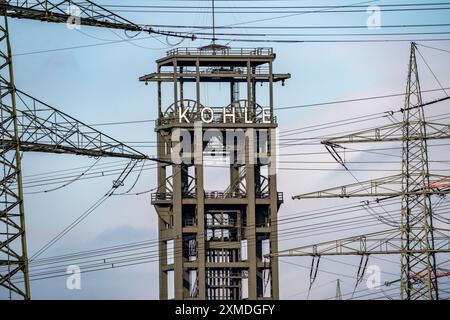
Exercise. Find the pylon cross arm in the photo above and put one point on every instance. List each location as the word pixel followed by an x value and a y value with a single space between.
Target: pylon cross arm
pixel 386 187
pixel 392 133
pixel 43 128
pixel 377 243
pixel 68 11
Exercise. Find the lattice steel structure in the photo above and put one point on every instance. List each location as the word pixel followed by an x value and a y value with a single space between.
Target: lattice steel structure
pixel 416 215
pixel 41 128
pixel 416 240
pixel 33 126
pixel 13 253
pixel 217 236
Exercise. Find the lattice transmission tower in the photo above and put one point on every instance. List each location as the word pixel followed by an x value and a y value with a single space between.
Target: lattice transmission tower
pixel 416 239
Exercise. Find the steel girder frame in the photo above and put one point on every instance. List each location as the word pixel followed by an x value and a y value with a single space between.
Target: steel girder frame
pixel 13 253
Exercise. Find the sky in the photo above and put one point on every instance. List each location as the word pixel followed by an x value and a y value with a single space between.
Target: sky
pixel 85 75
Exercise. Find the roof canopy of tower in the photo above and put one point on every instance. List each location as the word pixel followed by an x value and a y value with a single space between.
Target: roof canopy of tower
pixel 216 64
pixel 211 56
pixel 213 76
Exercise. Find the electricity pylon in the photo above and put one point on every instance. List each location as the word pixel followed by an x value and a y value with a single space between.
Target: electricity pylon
pixel 37 127
pixel 415 239
pixel 40 128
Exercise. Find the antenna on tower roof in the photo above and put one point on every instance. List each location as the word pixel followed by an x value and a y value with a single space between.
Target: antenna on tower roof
pixel 214 22
pixel 213 46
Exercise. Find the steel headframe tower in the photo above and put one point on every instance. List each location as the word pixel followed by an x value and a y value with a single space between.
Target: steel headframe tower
pixel 416 240
pixel 213 242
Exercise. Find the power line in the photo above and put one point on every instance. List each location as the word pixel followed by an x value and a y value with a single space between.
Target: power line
pixel 432 72
pixel 325 34
pixel 312 10
pixel 124 174
pixel 121 123
pixel 69 182
pixel 293 218
pixel 393 95
pixel 113 263
pixel 434 48
pixel 109 172
pixel 286 133
pixel 342 41
pixel 270 27
pixel 318 104
pixel 286 41
pixel 271 7
pixel 61 258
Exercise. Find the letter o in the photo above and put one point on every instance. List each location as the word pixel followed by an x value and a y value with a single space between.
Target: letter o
pixel 211 113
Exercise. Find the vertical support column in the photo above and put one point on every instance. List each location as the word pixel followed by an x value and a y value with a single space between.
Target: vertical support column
pixel 181 89
pixel 234 167
pixel 178 233
pixel 253 80
pixel 250 106
pixel 273 194
pixel 13 245
pixel 177 210
pixel 175 83
pixel 271 88
pixel 201 232
pixel 251 219
pixel 201 276
pixel 159 94
pixel 162 244
pixel 234 176
pixel 232 97
pixel 197 84
pixel 163 292
pixel 273 211
pixel 162 189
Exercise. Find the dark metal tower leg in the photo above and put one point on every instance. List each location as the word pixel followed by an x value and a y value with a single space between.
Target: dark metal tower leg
pixel 13 247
